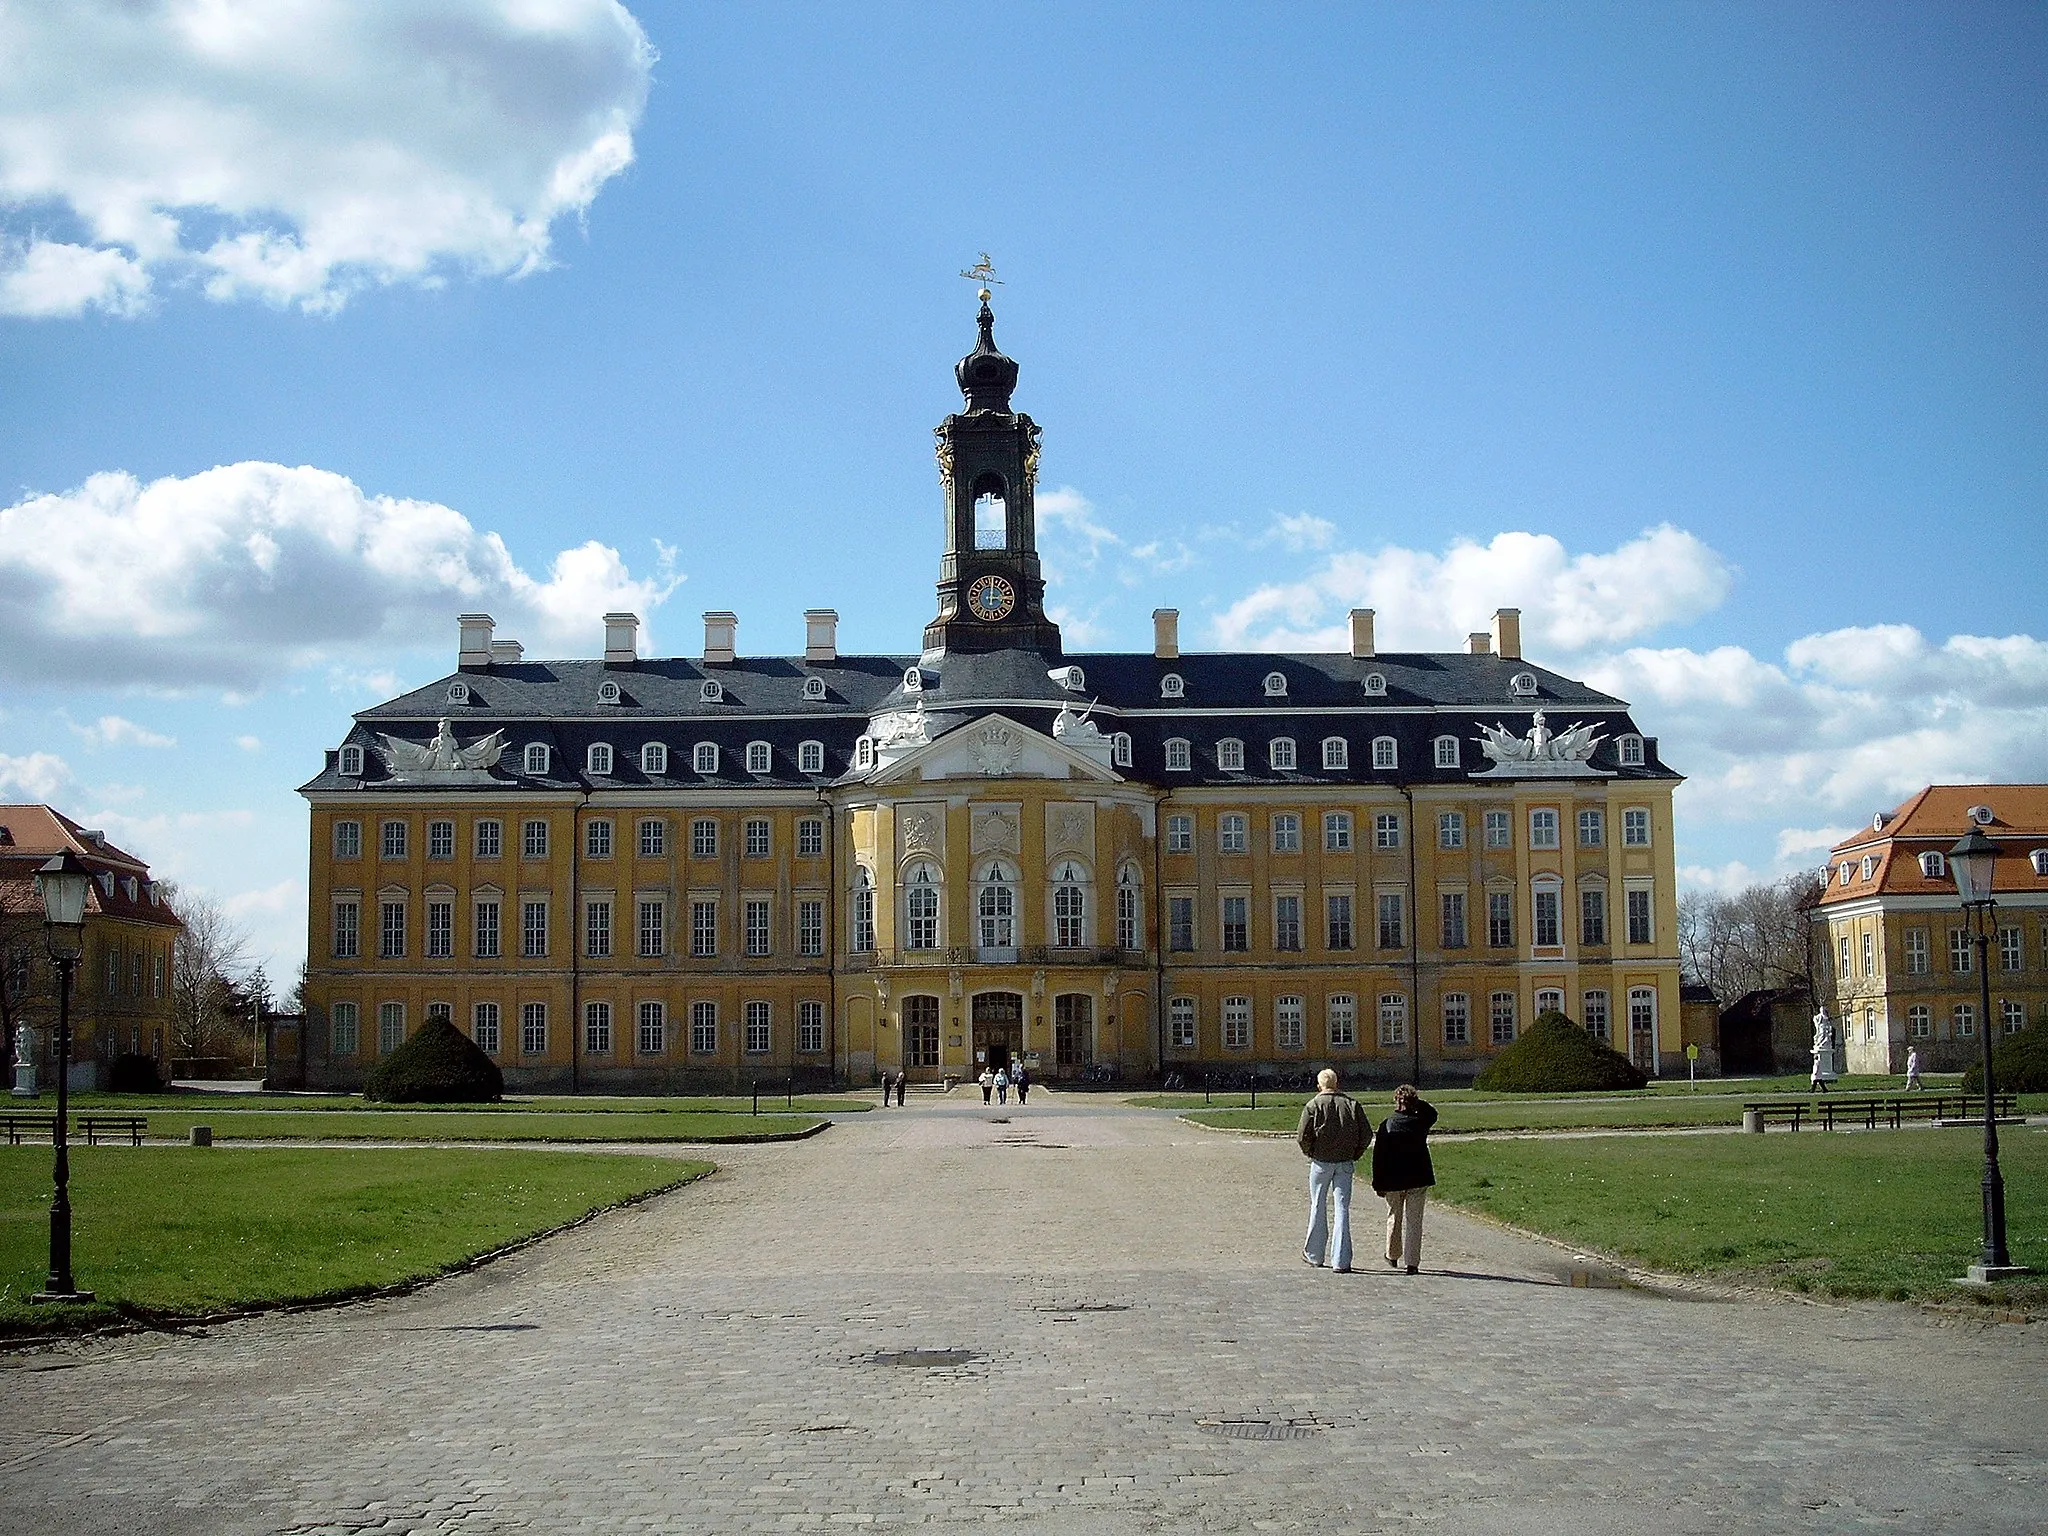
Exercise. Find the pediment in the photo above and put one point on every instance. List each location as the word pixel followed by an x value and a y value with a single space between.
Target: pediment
pixel 995 747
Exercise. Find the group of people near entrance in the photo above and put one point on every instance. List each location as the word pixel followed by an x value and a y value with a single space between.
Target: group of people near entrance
pixel 1334 1134
pixel 1000 1080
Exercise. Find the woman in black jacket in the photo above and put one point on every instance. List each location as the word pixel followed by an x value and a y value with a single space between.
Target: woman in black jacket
pixel 1402 1175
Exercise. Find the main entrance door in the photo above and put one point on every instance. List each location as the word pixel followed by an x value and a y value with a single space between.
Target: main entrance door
pixel 998 1028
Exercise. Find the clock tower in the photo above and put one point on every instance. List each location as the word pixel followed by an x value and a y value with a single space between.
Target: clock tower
pixel 991 595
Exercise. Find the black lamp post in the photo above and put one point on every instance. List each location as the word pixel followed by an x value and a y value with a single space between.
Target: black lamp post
pixel 1971 863
pixel 63 883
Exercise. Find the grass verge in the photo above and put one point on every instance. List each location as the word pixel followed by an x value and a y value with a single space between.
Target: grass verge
pixel 479 1125
pixel 167 1233
pixel 203 1104
pixel 1894 1215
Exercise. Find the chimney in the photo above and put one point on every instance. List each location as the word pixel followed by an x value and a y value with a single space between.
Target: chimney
pixel 1478 643
pixel 504 652
pixel 1166 633
pixel 721 634
pixel 1361 632
pixel 475 647
pixel 621 639
pixel 821 634
pixel 1507 632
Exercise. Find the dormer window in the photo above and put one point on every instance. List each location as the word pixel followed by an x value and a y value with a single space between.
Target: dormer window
pixel 704 757
pixel 1386 753
pixel 1280 753
pixel 2039 859
pixel 1630 749
pixel 913 680
pixel 1336 752
pixel 1173 686
pixel 1869 866
pixel 814 687
pixel 536 759
pixel 607 692
pixel 864 753
pixel 1932 865
pixel 1447 751
pixel 351 762
pixel 1120 749
pixel 1230 755
pixel 760 757
pixel 711 691
pixel 1180 757
pixel 598 758
pixel 1523 685
pixel 1276 686
pixel 1981 815
pixel 458 692
pixel 654 758
pixel 1073 679
pixel 810 757
pixel 1842 873
pixel 1376 685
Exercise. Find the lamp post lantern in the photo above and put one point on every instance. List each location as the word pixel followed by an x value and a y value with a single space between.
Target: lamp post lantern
pixel 63 883
pixel 1972 862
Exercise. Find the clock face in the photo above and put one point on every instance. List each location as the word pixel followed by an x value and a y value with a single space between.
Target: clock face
pixel 991 598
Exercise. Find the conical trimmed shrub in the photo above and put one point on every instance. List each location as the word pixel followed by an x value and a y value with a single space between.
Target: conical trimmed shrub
pixel 2019 1063
pixel 438 1064
pixel 1555 1055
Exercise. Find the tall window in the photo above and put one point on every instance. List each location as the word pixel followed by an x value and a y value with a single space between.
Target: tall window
pixel 1543 828
pixel 597 1028
pixel 653 928
pixel 347 930
pixel 1337 931
pixel 760 757
pixel 863 935
pixel 755 832
pixel 597 839
pixel 1336 753
pixel 348 839
pixel 1237 1023
pixel 810 1026
pixel 704 838
pixel 1959 960
pixel 1340 1020
pixel 483 1028
pixel 1447 751
pixel 1386 830
pixel 1917 963
pixel 533 840
pixel 533 930
pixel 703 929
pixel 490 838
pixel 1500 919
pixel 1230 755
pixel 1593 1009
pixel 1180 834
pixel 536 759
pixel 597 929
pixel 1630 751
pixel 1180 923
pixel 1231 836
pixel 1286 832
pixel 653 1028
pixel 704 1029
pixel 1457 1019
pixel 1072 1029
pixel 921 1031
pixel 921 909
pixel 1393 1019
pixel 598 759
pixel 995 909
pixel 1336 831
pixel 1549 916
pixel 1963 1021
pixel 810 757
pixel 440 929
pixel 440 839
pixel 1450 829
pixel 754 916
pixel 758 1040
pixel 394 840
pixel 347 1024
pixel 810 928
pixel 1592 916
pixel 2010 954
pixel 654 758
pixel 1127 914
pixel 1179 758
pixel 486 929
pixel 1919 1021
pixel 1280 753
pixel 1501 1018
pixel 1451 911
pixel 1592 828
pixel 533 1029
pixel 1288 1032
pixel 704 757
pixel 1869 953
pixel 2013 1013
pixel 810 838
pixel 1642 1023
pixel 1639 928
pixel 653 833
pixel 1287 922
pixel 1385 753
pixel 1499 830
pixel 1237 927
pixel 391 930
pixel 1635 829
pixel 390 1027
pixel 1180 1023
pixel 1069 908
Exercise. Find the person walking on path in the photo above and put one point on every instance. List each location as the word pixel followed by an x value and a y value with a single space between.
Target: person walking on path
pixel 1023 1079
pixel 1002 1085
pixel 1402 1174
pixel 1333 1135
pixel 1913 1068
pixel 988 1084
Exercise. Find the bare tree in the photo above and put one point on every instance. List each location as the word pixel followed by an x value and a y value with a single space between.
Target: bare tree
pixel 209 972
pixel 1751 941
pixel 24 978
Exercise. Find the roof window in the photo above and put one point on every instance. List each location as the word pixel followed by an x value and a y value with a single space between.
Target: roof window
pixel 711 691
pixel 1276 686
pixel 814 687
pixel 608 692
pixel 1523 685
pixel 2039 859
pixel 458 692
pixel 1931 865
pixel 1630 750
pixel 351 762
pixel 1376 685
pixel 1981 815
pixel 1173 686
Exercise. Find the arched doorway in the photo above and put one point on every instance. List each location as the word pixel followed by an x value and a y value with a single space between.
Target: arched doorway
pixel 998 1029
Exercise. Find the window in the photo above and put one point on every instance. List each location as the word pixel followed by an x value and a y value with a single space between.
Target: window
pixel 1500 919
pixel 1178 756
pixel 1237 1023
pixel 995 909
pixel 1069 908
pixel 533 930
pixel 536 760
pixel 440 929
pixel 390 1027
pixel 862 937
pixel 1288 1015
pixel 1180 1023
pixel 1630 751
pixel 1180 923
pixel 352 762
pixel 653 929
pixel 597 758
pixel 483 1028
pixel 597 1028
pixel 533 1029
pixel 1172 686
pixel 754 834
pixel 1392 924
pixel 348 839
pixel 1180 834
pixel 754 925
pixel 1446 751
pixel 490 838
pixel 703 929
pixel 1276 686
pixel 1593 1010
pixel 810 1026
pixel 1593 916
pixel 1385 753
pixel 1286 832
pixel 1549 1000
pixel 1869 1023
pixel 921 909
pixel 704 757
pixel 1386 830
pixel 810 757
pixel 2013 1015
pixel 393 844
pixel 810 838
pixel 607 692
pixel 347 930
pixel 1920 1021
pixel 653 837
pixel 1959 951
pixel 760 757
pixel 597 929
pixel 347 1029
pixel 1231 834
pixel 1336 752
pixel 1639 931
pixel 864 753
pixel 1457 1019
pixel 1916 952
pixel 1450 829
pixel 1931 866
pixel 1336 831
pixel 440 839
pixel 757 1029
pixel 1592 829
pixel 704 1029
pixel 1642 1021
pixel 1867 868
pixel 1337 932
pixel 704 838
pixel 2010 954
pixel 1280 752
pixel 1869 954
pixel 1501 1018
pixel 1127 916
pixel 1963 1021
pixel 1237 928
pixel 654 758
pixel 1287 922
pixel 533 840
pixel 597 839
pixel 1549 917
pixel 391 930
pixel 711 691
pixel 1230 755
pixel 1499 830
pixel 1451 917
pixel 1375 684
pixel 653 1028
pixel 1543 829
pixel 1120 749
pixel 991 515
pixel 1393 1019
pixel 921 1031
pixel 1340 1020
pixel 1842 956
pixel 1523 685
pixel 810 928
pixel 1635 828
pixel 2039 859
pixel 486 930
pixel 1842 873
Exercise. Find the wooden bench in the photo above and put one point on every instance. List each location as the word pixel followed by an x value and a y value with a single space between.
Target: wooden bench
pixel 19 1126
pixel 1767 1110
pixel 1894 1109
pixel 127 1128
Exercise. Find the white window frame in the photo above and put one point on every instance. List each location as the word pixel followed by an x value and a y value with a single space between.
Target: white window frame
pixel 1180 833
pixel 1336 832
pixel 1120 749
pixel 1393 1019
pixel 1340 1021
pixel 1180 757
pixel 1237 1023
pixel 597 758
pixel 758 1020
pixel 1543 827
pixel 535 760
pixel 1286 832
pixel 1336 753
pixel 810 757
pixel 1275 685
pixel 1280 754
pixel 760 757
pixel 704 757
pixel 1233 832
pixel 1450 829
pixel 1635 827
pixel 1230 755
pixel 1290 1023
pixel 1173 686
pixel 1386 754
pixel 1629 750
pixel 1180 1023
pixel 1446 748
pixel 351 766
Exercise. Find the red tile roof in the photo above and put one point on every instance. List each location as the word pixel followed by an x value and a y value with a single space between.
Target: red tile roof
pixel 1931 822
pixel 35 833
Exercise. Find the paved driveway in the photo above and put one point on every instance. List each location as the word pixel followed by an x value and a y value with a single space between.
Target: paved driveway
pixel 1084 1319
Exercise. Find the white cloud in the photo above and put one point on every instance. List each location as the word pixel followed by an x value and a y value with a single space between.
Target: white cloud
pixel 113 731
pixel 249 743
pixel 1719 879
pixel 235 575
pixel 298 153
pixel 1073 534
pixel 37 776
pixel 1300 532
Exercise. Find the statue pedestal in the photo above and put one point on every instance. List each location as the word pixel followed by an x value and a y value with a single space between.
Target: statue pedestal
pixel 24 1079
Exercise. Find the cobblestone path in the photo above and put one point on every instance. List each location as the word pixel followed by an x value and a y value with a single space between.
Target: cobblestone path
pixel 1072 1317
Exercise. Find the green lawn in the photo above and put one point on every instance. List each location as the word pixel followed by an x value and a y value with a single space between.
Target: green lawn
pixel 468 1125
pixel 579 1104
pixel 1894 1214
pixel 173 1232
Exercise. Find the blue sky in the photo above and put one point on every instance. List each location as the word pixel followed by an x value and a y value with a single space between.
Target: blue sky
pixel 1713 338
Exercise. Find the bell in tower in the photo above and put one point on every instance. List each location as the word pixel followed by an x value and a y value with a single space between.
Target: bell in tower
pixel 991 595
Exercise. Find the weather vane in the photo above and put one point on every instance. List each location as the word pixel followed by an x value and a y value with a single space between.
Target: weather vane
pixel 984 273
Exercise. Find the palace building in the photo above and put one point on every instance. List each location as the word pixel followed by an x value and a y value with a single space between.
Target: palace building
pixel 682 873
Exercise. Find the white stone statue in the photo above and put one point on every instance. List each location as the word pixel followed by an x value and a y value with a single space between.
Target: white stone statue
pixel 442 755
pixel 1540 754
pixel 1823 1047
pixel 24 1043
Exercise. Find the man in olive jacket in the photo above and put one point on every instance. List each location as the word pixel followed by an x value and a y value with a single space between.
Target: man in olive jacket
pixel 1334 1134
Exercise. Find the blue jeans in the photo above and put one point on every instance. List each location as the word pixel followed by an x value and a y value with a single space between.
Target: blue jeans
pixel 1329 1182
